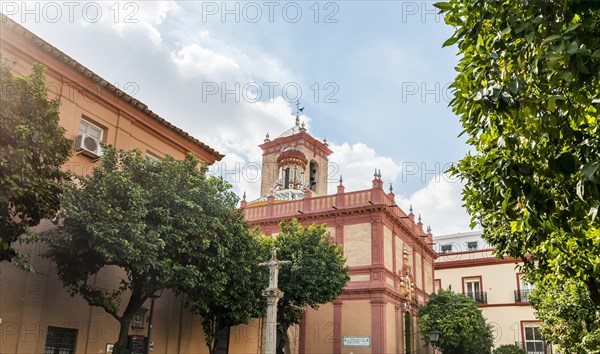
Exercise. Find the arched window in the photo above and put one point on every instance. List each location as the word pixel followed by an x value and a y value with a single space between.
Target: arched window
pixel 286 178
pixel 314 169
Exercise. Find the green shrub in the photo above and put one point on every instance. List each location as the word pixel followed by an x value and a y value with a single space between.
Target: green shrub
pixel 509 349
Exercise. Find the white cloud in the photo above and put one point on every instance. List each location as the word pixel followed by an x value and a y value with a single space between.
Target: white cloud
pixel 440 205
pixel 125 16
pixel 357 164
pixel 195 59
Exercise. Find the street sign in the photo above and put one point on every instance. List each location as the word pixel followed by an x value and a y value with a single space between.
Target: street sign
pixel 356 341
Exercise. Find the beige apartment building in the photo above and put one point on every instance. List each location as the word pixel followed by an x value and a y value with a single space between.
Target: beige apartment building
pixel 466 265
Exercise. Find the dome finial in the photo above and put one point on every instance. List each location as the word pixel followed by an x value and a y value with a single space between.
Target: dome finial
pixel 298 111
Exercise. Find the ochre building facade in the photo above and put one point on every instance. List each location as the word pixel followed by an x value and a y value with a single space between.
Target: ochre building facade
pixel 37 314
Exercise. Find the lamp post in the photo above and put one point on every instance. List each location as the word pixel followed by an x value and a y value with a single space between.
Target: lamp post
pixel 434 337
pixel 153 297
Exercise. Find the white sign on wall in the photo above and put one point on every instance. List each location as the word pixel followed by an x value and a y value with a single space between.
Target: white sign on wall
pixel 356 341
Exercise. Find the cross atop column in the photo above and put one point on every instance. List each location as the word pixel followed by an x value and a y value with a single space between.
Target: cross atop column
pixel 274 264
pixel 273 294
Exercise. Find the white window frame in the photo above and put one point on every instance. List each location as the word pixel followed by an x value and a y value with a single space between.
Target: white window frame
pixel 536 342
pixel 525 286
pixel 89 128
pixel 437 285
pixel 151 157
pixel 472 291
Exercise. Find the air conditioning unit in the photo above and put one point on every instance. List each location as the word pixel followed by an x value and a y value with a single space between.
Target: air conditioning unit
pixel 88 145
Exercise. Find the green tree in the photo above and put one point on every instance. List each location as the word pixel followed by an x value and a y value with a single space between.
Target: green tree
pixel 240 299
pixel 163 224
pixel 569 318
pixel 528 96
pixel 508 349
pixel 33 148
pixel 317 275
pixel 458 320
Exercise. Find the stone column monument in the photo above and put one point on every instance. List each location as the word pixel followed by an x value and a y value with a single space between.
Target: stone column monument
pixel 273 294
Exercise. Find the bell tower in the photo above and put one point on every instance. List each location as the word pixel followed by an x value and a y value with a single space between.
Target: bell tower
pixel 294 160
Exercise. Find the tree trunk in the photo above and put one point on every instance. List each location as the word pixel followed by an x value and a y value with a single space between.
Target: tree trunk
pixel 592 285
pixel 135 302
pixel 282 330
pixel 212 330
pixel 121 344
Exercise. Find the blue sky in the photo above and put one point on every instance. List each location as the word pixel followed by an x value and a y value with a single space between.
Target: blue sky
pixel 372 74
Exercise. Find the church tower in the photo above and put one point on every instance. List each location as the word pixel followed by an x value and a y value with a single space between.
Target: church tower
pixel 294 162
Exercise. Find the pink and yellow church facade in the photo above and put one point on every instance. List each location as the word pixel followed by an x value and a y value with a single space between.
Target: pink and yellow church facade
pixel 389 254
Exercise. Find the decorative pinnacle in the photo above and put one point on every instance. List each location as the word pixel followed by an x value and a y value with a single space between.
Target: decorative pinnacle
pixel 391 188
pixel 341 180
pixel 324 140
pixel 379 174
pixel 244 196
pixel 419 217
pixel 428 229
pixel 375 174
pixel 302 125
pixel 297 121
pixel 410 209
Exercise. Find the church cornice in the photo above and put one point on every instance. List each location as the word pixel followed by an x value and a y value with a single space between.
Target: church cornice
pixel 379 213
pixel 307 141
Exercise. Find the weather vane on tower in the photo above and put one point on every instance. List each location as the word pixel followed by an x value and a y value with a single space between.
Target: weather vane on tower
pixel 298 111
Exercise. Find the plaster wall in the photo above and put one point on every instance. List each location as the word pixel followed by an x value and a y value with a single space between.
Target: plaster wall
pixel 357 244
pixel 356 321
pixel 319 329
pixel 388 250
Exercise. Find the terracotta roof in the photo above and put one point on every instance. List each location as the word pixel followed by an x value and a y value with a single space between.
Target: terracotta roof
pixel 6 21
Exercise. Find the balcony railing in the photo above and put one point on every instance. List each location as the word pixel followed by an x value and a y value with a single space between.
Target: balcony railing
pixel 478 297
pixel 522 295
